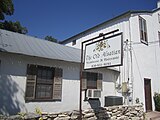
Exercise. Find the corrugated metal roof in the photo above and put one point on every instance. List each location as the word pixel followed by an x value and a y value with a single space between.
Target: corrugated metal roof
pixel 27 45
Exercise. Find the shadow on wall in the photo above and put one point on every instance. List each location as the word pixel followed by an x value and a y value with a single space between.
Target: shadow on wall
pixel 94 103
pixel 9 103
pixel 99 111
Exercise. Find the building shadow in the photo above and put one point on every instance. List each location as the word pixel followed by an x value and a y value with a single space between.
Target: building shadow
pixel 99 111
pixel 9 103
pixel 94 103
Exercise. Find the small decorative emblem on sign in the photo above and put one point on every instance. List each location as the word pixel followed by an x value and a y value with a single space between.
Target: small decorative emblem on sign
pixel 101 45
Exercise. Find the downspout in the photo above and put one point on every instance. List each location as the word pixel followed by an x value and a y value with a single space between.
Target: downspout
pixel 130 47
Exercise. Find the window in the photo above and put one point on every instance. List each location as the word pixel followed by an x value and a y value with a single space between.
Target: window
pixel 73 42
pixel 143 30
pixel 159 37
pixel 91 80
pixel 159 18
pixel 0 68
pixel 43 83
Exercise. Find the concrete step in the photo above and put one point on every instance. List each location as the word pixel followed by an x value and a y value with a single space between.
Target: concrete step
pixel 154 115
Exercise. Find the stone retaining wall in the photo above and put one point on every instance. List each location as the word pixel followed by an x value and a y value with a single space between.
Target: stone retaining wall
pixel 106 113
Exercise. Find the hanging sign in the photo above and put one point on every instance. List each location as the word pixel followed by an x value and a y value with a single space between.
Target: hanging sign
pixel 106 52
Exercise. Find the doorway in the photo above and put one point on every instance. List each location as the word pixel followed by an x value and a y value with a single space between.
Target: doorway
pixel 148 95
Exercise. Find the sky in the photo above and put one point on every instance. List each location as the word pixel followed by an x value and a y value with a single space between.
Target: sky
pixel 63 19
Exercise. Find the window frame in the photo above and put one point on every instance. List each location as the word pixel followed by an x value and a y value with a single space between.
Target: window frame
pixel 0 67
pixel 33 83
pixel 92 78
pixel 143 30
pixel 74 42
pixel 159 37
pixel 41 81
pixel 159 17
pixel 99 80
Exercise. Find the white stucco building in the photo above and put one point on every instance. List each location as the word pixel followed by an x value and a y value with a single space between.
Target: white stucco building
pixel 141 56
pixel 37 73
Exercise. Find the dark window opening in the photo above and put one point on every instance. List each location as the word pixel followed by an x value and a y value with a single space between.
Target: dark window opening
pixel 159 18
pixel 143 30
pixel 91 80
pixel 73 42
pixel 43 83
pixel 159 37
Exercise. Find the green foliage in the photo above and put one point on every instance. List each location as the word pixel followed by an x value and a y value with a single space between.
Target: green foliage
pixel 22 114
pixel 156 98
pixel 39 111
pixel 6 7
pixel 50 38
pixel 13 26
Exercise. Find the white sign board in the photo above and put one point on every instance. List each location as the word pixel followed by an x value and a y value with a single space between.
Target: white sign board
pixel 104 53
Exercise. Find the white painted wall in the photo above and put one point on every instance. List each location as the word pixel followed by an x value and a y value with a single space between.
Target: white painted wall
pixel 13 84
pixel 145 58
pixel 121 24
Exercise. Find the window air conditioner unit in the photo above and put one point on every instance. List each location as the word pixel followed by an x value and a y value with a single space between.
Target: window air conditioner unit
pixel 93 93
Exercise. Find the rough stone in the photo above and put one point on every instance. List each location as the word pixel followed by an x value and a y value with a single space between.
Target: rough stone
pixel 89 115
pixel 107 113
pixel 92 118
pixel 88 111
pixel 52 115
pixel 137 108
pixel 44 117
pixel 3 117
pixel 62 115
pixel 123 118
pixel 62 118
pixel 49 119
pixel 114 111
pixel 75 112
pixel 127 114
pixel 15 117
pixel 135 118
pixel 134 112
pixel 113 118
pixel 74 117
pixel 31 116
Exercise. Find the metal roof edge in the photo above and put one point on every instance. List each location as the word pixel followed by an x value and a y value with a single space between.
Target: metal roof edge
pixel 66 52
pixel 39 39
pixel 155 10
pixel 112 19
pixel 38 57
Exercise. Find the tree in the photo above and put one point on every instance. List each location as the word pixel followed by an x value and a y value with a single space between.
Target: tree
pixel 6 8
pixel 13 26
pixel 50 38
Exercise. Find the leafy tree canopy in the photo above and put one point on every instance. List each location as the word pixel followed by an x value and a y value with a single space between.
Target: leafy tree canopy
pixel 50 38
pixel 13 26
pixel 6 8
